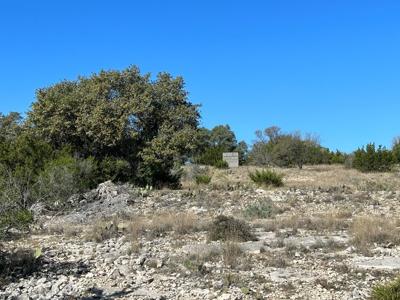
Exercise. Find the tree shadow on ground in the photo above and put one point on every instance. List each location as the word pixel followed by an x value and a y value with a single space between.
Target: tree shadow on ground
pixel 24 263
pixel 97 293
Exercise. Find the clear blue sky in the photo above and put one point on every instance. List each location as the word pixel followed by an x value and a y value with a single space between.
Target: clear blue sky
pixel 326 67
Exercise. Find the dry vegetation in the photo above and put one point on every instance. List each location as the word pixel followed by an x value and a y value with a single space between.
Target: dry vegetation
pixel 136 226
pixel 319 176
pixel 308 239
pixel 370 230
pixel 331 221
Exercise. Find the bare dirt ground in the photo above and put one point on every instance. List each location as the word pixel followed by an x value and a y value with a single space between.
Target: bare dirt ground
pixel 328 233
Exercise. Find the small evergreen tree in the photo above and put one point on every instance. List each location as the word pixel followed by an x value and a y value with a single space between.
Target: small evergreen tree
pixel 337 157
pixel 372 159
pixel 213 143
pixel 396 149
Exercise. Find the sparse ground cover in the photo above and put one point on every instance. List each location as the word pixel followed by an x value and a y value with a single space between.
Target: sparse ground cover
pixel 327 233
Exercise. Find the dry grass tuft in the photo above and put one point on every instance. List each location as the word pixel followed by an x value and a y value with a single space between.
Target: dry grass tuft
pixel 386 291
pixel 102 230
pixel 185 223
pixel 136 228
pixel 369 230
pixel 67 230
pixel 231 253
pixel 195 262
pixel 181 223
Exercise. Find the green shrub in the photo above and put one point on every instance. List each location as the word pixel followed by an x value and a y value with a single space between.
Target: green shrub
pixel 21 160
pixel 63 177
pixel 203 179
pixel 115 169
pixel 261 209
pixel 221 164
pixel 124 114
pixel 22 157
pixel 396 154
pixel 33 173
pixel 337 157
pixel 266 177
pixel 210 156
pixel 387 291
pixel 227 228
pixel 287 149
pixel 372 159
pixel 15 217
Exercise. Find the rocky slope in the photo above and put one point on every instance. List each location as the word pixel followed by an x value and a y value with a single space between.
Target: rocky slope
pixel 125 243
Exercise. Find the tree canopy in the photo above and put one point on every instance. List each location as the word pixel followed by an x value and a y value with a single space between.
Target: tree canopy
pixel 273 147
pixel 124 114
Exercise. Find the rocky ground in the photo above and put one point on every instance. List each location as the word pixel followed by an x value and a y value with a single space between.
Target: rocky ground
pixel 329 233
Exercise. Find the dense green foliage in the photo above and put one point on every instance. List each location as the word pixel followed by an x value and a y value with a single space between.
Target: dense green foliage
pixel 222 136
pixel 30 172
pixel 337 157
pixel 273 147
pixel 211 156
pixel 372 159
pixel 213 143
pixel 146 126
pixel 221 164
pixel 62 177
pixel 114 125
pixel 396 149
pixel 114 169
pixel 266 177
pixel 21 159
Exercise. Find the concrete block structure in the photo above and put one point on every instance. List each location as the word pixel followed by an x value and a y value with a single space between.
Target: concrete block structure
pixel 232 158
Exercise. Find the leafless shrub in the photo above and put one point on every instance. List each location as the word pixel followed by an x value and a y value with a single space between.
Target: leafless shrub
pixel 226 228
pixel 136 227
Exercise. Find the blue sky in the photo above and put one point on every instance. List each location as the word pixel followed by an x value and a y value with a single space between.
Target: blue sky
pixel 325 67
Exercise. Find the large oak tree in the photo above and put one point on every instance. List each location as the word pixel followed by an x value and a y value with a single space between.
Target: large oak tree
pixel 124 114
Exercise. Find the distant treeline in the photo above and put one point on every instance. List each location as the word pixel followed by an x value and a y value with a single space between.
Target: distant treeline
pixel 123 126
pixel 272 147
